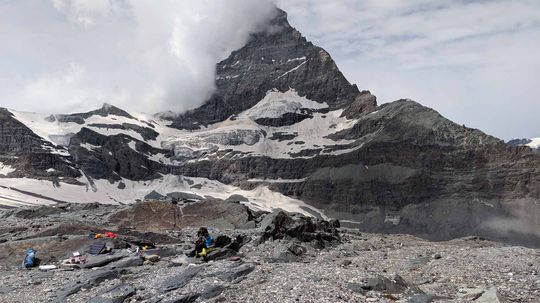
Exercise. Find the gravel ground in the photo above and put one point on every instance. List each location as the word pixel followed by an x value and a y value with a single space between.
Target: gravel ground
pixel 447 271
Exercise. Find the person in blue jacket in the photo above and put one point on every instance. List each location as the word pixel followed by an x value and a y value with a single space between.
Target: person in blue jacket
pixel 205 243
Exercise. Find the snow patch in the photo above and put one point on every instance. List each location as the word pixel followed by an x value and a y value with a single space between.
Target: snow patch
pixel 535 143
pixel 275 104
pixel 278 180
pixel 6 169
pixel 244 136
pixel 292 70
pixel 260 198
pixel 89 146
pixel 297 59
pixel 132 145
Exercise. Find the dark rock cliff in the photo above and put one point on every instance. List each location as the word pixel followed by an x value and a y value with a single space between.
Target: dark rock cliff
pixel 276 58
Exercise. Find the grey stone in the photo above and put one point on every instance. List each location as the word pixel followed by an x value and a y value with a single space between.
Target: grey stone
pixel 211 291
pixel 117 294
pixel 128 262
pixel 5 290
pixel 393 285
pixel 220 254
pixel 356 287
pixel 489 296
pixel 248 225
pixel 236 272
pixel 189 298
pixel 87 280
pixel 180 280
pixel 419 262
pixel 102 260
pixel 420 298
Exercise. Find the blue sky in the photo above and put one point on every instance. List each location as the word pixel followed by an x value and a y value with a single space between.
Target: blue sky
pixel 475 62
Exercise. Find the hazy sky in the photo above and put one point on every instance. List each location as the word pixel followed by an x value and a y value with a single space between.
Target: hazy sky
pixel 476 62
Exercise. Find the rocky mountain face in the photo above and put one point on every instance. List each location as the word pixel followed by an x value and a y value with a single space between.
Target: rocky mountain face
pixel 284 129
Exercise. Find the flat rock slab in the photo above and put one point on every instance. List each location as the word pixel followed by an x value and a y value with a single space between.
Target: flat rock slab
pixel 5 290
pixel 180 280
pixel 418 262
pixel 420 298
pixel 234 273
pixel 220 254
pixel 117 294
pixel 102 260
pixel 128 262
pixel 489 296
pixel 189 298
pixel 394 285
pixel 86 281
pixel 161 252
pixel 210 291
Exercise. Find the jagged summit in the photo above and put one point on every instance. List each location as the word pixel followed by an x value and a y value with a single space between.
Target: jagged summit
pixel 278 57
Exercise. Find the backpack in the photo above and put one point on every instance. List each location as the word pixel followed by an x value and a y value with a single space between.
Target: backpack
pixel 29 258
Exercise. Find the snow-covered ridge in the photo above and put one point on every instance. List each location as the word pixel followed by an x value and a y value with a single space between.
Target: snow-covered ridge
pixel 239 136
pixel 59 133
pixel 243 135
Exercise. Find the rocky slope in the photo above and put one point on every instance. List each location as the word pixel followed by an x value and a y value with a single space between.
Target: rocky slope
pixel 284 129
pixel 264 257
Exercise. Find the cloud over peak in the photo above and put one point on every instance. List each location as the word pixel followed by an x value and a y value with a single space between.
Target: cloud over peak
pixel 66 55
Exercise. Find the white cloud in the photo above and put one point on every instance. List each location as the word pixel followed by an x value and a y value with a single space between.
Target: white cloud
pixel 73 55
pixel 474 61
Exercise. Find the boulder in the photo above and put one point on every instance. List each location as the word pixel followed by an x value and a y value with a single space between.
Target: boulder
pixel 287 252
pixel 281 225
pixel 223 240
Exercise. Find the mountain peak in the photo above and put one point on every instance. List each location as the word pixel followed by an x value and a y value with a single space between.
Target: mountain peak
pixel 277 57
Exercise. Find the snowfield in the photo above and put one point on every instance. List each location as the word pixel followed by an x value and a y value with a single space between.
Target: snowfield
pixel 239 136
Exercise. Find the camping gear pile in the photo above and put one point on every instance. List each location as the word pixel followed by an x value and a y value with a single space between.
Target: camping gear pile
pixel 106 243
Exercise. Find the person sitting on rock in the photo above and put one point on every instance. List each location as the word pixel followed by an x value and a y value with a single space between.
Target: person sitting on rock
pixel 204 244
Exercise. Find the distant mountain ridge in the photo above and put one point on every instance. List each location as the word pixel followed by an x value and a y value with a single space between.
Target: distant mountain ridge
pixel 284 129
pixel 533 143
